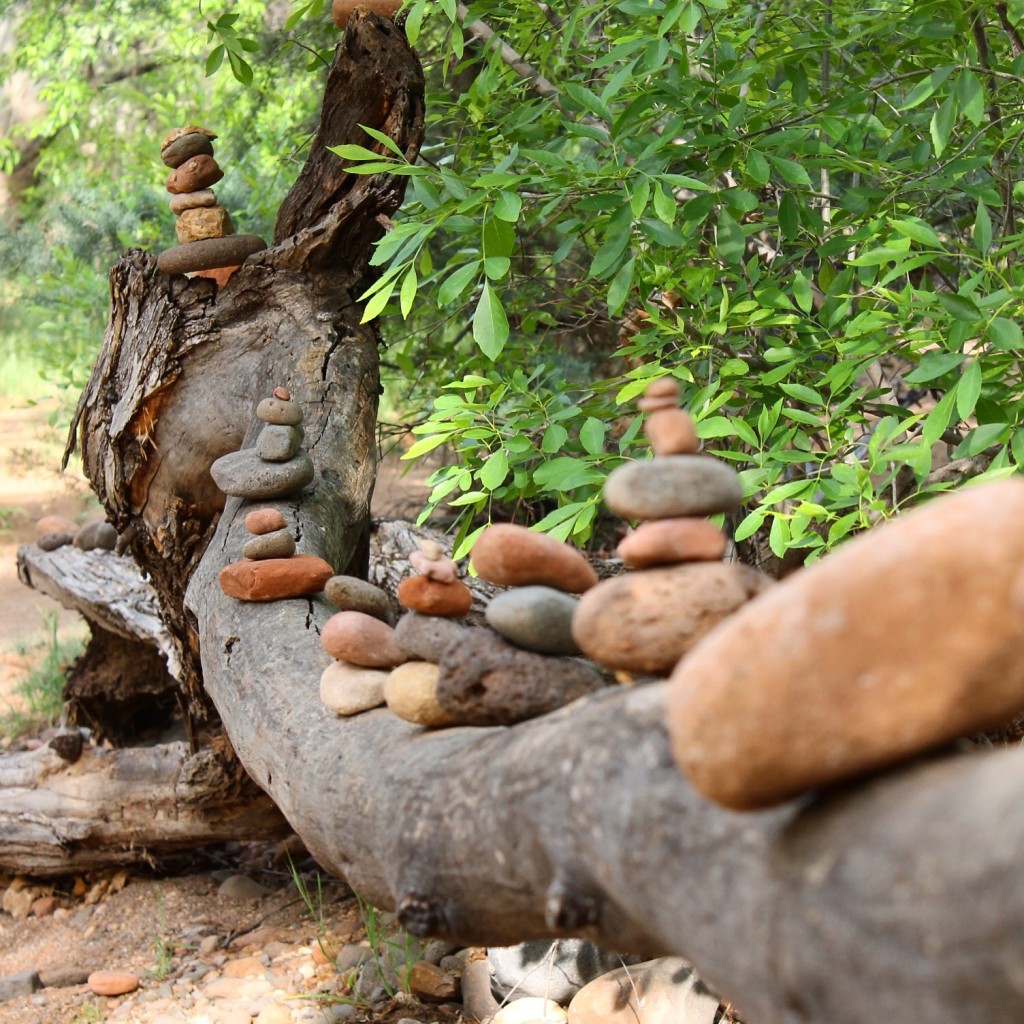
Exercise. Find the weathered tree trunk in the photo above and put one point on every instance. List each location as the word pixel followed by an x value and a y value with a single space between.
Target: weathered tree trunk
pixel 890 899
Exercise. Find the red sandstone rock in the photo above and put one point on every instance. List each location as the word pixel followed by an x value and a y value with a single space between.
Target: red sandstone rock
pixel 429 597
pixel 360 639
pixel 273 578
pixel 283 393
pixel 221 275
pixel 264 520
pixel 196 173
pixel 904 639
pixel 669 541
pixel 513 556
pixel 663 387
pixel 112 983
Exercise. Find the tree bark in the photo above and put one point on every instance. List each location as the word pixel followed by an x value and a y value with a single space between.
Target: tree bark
pixel 888 899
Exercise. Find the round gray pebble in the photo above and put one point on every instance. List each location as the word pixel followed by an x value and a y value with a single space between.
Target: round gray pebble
pixel 277 544
pixel 536 618
pixel 278 442
pixel 280 411
pixel 672 485
pixel 245 475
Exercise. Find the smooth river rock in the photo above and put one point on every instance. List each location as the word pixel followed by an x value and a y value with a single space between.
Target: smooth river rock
pixel 276 544
pixel 429 597
pixel 427 637
pixel 278 442
pixel 672 485
pixel 279 411
pixel 351 594
pixel 192 200
pixel 198 172
pixel 175 153
pixel 411 694
pixel 536 618
pixel 903 640
pixel 349 689
pixel 209 254
pixel 274 578
pixel 644 622
pixel 513 556
pixel 671 432
pixel 670 541
pixel 96 534
pixel 662 991
pixel 361 639
pixel 245 475
pixel 112 983
pixel 264 520
pixel 486 681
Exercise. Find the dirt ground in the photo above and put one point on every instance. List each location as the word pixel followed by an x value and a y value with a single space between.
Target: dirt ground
pixel 149 923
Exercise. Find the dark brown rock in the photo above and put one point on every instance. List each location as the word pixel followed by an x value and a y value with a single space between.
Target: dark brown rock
pixel 54 540
pixel 513 556
pixel 209 253
pixel 427 636
pixel 349 593
pixel 275 578
pixel 175 153
pixel 196 173
pixel 644 622
pixel 431 984
pixel 485 681
pixel 902 640
pixel 96 534
pixel 188 129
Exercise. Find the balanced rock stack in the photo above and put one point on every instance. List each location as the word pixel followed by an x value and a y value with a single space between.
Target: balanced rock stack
pixel 645 621
pixel 209 245
pixel 276 468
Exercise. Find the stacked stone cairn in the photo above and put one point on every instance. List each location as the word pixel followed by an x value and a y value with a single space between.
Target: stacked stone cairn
pixel 624 623
pixel 275 468
pixel 209 246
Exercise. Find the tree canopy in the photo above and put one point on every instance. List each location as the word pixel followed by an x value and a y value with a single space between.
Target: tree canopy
pixel 806 212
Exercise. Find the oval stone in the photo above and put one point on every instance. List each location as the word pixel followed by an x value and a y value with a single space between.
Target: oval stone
pixel 54 539
pixel 96 534
pixel 274 578
pixel 513 556
pixel 362 640
pixel 175 153
pixel 209 254
pixel 427 637
pixel 349 593
pixel 112 983
pixel 276 544
pixel 55 524
pixel 191 200
pixel 536 618
pixel 672 485
pixel 244 474
pixel 283 412
pixel 196 173
pixel 348 689
pixel 902 640
pixel 188 129
pixel 411 694
pixel 671 432
pixel 645 622
pixel 669 541
pixel 278 442
pixel 427 596
pixel 264 520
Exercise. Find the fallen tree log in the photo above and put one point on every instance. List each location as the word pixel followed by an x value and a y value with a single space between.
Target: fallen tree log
pixel 891 898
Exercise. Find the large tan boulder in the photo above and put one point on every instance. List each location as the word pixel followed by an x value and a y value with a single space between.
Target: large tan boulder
pixel 905 639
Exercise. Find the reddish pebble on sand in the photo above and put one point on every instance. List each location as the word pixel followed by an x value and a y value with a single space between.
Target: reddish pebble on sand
pixel 360 639
pixel 264 520
pixel 275 578
pixel 513 556
pixel 429 597
pixel 668 541
pixel 112 983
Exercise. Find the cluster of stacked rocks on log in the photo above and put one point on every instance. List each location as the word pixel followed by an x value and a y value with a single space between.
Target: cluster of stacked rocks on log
pixel 54 532
pixel 622 623
pixel 276 468
pixel 208 245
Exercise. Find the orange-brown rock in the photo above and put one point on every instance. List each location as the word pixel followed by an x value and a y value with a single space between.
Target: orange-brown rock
pixel 431 983
pixel 55 524
pixel 341 10
pixel 668 541
pixel 902 640
pixel 220 275
pixel 429 597
pixel 203 222
pixel 188 129
pixel 670 432
pixel 274 578
pixel 264 520
pixel 513 556
pixel 360 639
pixel 196 173
pixel 112 983
pixel 646 621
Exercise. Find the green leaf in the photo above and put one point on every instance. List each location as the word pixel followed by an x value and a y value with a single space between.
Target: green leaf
pixel 497 267
pixel 778 536
pixel 554 439
pixel 757 167
pixel 384 140
pixel 942 125
pixel 750 524
pixel 215 59
pixel 493 472
pixel 937 421
pixel 982 233
pixel 424 445
pixel 592 435
pixel 918 230
pixel 924 89
pixel 1004 333
pixel 665 206
pixel 508 206
pixel 618 290
pixel 732 239
pixel 969 390
pixel 499 237
pixel 792 172
pixel 802 293
pixel 970 96
pixel 959 307
pixel 353 152
pixel 932 366
pixel 407 294
pixel 608 255
pixel 490 325
pixel 455 283
pixel 565 474
pixel 639 196
pixel 789 217
pixel 376 303
pixel 801 393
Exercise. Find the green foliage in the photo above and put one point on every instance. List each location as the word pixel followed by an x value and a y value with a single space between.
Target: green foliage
pixel 808 216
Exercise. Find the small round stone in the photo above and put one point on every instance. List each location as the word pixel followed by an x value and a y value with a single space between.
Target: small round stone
pixel 283 393
pixel 536 618
pixel 55 524
pixel 411 694
pixel 96 534
pixel 192 200
pixel 264 520
pixel 175 153
pixel 277 544
pixel 671 432
pixel 244 474
pixel 112 983
pixel 278 443
pixel 654 404
pixel 280 411
pixel 673 485
pixel 349 593
pixel 441 570
pixel 361 639
pixel 209 254
pixel 428 597
pixel 55 539
pixel 348 689
pixel 195 173
pixel 670 541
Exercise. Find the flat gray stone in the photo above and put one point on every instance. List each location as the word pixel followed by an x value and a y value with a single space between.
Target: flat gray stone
pixel 278 442
pixel 536 618
pixel 14 986
pixel 672 485
pixel 209 253
pixel 427 637
pixel 280 411
pixel 277 544
pixel 244 474
pixel 351 594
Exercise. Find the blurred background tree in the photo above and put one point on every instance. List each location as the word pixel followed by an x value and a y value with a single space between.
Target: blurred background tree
pixel 809 213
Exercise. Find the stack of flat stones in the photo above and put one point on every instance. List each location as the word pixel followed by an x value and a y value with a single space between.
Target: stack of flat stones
pixel 622 622
pixel 275 468
pixel 209 246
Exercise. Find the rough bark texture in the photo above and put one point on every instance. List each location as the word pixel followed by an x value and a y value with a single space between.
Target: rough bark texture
pixel 183 364
pixel 123 806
